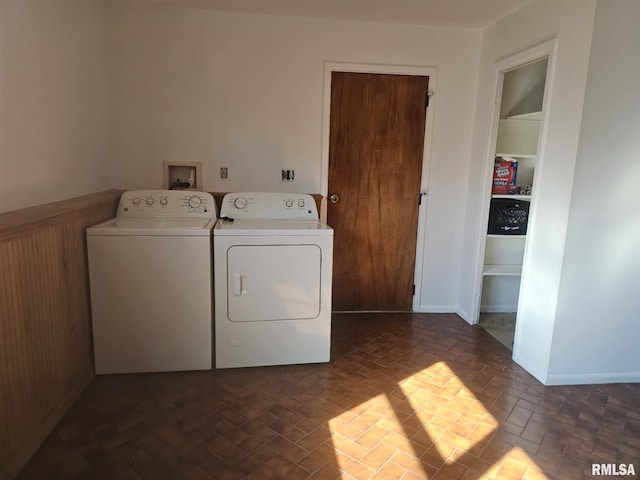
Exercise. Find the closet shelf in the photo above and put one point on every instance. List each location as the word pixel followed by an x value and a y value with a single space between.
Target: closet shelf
pixel 514 196
pixel 515 155
pixel 502 270
pixel 528 116
pixel 499 235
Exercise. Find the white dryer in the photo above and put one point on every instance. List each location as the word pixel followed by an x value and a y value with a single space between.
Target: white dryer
pixel 150 272
pixel 273 265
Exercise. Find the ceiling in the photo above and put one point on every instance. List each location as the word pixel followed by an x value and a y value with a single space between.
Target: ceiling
pixel 450 13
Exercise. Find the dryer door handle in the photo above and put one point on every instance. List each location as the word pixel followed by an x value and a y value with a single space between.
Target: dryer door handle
pixel 239 284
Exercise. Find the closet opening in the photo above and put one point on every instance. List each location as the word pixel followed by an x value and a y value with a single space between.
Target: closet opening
pixel 511 194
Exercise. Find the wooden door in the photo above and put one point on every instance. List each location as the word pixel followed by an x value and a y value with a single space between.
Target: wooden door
pixel 376 144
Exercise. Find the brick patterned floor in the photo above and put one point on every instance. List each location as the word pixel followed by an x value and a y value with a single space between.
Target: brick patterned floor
pixel 406 396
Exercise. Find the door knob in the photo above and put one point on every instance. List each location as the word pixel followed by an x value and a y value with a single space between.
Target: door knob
pixel 334 198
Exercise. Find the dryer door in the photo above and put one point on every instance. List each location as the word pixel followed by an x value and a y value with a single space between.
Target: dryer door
pixel 273 282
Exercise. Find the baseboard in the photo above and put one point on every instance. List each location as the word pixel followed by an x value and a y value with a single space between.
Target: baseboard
pixel 463 315
pixel 20 458
pixel 592 378
pixel 438 309
pixel 577 378
pixel 531 369
pixel 498 308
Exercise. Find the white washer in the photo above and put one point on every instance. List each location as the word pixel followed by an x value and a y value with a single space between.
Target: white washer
pixel 150 272
pixel 273 266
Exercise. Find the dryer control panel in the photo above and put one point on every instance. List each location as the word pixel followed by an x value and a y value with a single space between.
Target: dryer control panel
pixel 265 205
pixel 166 203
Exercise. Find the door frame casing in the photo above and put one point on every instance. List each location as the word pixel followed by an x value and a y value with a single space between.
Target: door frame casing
pixel 431 72
pixel 546 49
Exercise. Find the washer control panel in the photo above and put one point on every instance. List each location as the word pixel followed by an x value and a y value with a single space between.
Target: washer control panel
pixel 166 203
pixel 294 206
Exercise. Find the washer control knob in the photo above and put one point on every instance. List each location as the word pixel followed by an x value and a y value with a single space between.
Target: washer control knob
pixel 240 203
pixel 150 200
pixel 135 201
pixel 194 202
pixel 289 203
pixel 163 200
pixel 301 202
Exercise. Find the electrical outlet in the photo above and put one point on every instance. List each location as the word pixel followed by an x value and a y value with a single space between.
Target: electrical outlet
pixel 288 175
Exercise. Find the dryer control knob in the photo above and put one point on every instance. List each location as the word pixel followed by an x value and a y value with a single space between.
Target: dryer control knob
pixel 240 203
pixel 301 202
pixel 289 203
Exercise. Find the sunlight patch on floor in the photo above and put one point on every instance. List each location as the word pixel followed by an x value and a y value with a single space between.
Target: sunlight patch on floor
pixel 517 462
pixel 431 423
pixel 450 414
pixel 361 437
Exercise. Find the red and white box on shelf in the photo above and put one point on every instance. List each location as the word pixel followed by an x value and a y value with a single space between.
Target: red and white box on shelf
pixel 505 171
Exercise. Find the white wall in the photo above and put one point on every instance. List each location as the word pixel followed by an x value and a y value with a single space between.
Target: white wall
pixel 571 22
pixel 597 331
pixel 246 92
pixel 53 108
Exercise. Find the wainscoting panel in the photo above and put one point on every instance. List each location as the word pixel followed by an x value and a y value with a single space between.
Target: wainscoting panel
pixel 45 326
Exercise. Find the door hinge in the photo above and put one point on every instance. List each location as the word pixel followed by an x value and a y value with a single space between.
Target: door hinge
pixel 413 289
pixel 427 97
